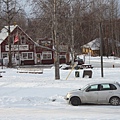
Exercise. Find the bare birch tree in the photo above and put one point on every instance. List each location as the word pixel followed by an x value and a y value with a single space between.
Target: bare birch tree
pixel 9 9
pixel 84 25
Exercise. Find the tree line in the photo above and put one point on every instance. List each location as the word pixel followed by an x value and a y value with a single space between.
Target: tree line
pixel 77 21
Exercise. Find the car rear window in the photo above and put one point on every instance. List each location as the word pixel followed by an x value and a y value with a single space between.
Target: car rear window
pixel 112 87
pixel 108 87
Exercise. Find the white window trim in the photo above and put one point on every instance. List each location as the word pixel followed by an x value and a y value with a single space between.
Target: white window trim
pixel 27 56
pixel 60 56
pixel 4 53
pixel 49 52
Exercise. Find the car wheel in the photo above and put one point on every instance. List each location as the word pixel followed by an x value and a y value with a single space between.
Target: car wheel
pixel 75 101
pixel 115 101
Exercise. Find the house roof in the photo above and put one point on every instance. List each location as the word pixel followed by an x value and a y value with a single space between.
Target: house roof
pixel 93 45
pixel 4 35
pixel 4 32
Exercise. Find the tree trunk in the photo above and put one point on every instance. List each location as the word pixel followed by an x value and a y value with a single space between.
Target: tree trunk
pixel 57 74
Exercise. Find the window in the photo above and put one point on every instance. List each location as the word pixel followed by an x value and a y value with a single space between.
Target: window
pixel 27 56
pixel 4 55
pixel 46 43
pixel 62 56
pixel 104 87
pixel 108 87
pixel 112 87
pixel 47 55
pixel 23 39
pixel 92 88
pixel 24 55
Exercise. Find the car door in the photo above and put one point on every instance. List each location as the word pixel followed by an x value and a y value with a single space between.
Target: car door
pixel 106 90
pixel 91 94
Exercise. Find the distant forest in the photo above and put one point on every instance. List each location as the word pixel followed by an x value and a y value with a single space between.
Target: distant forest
pixel 77 21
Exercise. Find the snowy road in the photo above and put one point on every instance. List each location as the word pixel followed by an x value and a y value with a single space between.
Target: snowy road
pixel 91 112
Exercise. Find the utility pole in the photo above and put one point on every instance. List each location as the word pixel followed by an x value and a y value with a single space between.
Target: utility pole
pixel 101 47
pixel 72 32
pixel 56 44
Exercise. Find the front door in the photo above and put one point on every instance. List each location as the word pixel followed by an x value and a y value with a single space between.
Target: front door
pixel 38 58
pixel 17 59
pixel 91 94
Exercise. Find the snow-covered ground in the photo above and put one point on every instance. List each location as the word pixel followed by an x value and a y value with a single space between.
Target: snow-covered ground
pixel 25 96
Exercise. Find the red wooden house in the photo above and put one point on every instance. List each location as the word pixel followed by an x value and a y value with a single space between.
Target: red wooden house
pixel 26 51
pixel 22 50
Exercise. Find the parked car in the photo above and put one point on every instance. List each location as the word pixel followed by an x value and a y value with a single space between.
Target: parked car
pixel 97 93
pixel 79 60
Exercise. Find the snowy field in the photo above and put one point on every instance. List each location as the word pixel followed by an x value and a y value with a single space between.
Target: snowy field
pixel 25 96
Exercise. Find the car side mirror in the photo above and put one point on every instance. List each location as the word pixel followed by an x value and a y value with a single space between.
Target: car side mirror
pixel 88 90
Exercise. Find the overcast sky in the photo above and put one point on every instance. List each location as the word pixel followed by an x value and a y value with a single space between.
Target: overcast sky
pixel 26 6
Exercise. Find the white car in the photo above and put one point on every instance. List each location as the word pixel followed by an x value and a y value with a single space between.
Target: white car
pixel 98 93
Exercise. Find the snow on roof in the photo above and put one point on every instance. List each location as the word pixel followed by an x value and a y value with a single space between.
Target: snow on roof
pixel 93 45
pixel 4 32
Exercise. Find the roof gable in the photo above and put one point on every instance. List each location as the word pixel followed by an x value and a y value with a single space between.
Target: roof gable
pixel 93 45
pixel 4 32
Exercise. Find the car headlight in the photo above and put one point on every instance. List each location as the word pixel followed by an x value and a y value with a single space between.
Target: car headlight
pixel 67 96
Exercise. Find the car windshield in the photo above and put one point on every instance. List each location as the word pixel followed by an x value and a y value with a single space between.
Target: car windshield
pixel 84 87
